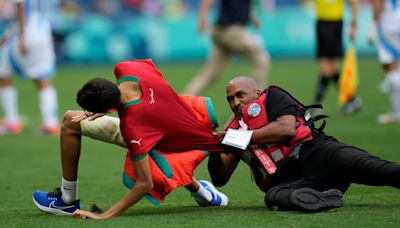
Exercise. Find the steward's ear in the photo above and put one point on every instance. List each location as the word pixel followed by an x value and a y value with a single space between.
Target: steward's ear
pixel 259 92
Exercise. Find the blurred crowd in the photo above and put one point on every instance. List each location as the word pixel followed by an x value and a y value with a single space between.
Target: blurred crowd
pixel 117 9
pixel 104 30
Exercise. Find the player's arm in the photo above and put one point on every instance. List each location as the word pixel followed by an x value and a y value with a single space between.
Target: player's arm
pixel 205 7
pixel 253 18
pixel 354 16
pixel 144 184
pixel 377 6
pixel 21 25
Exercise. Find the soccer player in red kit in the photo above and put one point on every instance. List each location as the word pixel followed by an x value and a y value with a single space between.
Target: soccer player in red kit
pixel 152 117
pixel 159 116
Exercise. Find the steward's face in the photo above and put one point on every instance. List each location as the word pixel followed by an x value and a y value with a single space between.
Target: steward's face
pixel 239 94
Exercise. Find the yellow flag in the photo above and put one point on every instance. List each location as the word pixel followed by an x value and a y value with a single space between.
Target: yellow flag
pixel 348 81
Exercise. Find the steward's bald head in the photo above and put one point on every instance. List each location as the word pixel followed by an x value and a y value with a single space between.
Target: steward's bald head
pixel 244 80
pixel 241 91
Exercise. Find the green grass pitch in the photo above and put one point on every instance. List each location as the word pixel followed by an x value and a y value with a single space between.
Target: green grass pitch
pixel 31 161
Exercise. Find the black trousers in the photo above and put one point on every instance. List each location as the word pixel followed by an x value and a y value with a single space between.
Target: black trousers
pixel 325 163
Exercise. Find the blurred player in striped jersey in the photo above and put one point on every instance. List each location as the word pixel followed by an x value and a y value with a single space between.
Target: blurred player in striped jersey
pixel 27 50
pixel 387 18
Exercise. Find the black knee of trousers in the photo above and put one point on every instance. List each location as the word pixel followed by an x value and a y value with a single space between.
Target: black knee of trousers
pixel 278 198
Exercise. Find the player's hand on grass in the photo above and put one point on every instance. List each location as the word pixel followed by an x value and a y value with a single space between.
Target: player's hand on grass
pixel 87 214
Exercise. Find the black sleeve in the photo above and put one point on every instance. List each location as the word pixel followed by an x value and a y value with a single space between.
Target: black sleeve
pixel 279 103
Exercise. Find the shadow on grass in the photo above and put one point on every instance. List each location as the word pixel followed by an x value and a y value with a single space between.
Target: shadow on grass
pixel 373 206
pixel 220 211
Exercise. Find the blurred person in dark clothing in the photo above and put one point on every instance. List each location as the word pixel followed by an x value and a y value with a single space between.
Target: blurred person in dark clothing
pixel 329 28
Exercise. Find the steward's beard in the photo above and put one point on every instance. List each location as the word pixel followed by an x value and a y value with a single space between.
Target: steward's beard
pixel 238 113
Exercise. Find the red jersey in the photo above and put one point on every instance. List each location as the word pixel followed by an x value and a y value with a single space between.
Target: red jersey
pixel 160 118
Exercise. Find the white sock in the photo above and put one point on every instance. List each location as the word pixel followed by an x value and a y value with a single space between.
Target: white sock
pixel 394 79
pixel 9 101
pixel 69 190
pixel 48 106
pixel 203 194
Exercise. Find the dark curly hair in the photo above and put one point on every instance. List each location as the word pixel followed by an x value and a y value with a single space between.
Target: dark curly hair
pixel 99 95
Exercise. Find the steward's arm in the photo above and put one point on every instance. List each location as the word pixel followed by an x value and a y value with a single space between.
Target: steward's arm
pixel 281 111
pixel 221 166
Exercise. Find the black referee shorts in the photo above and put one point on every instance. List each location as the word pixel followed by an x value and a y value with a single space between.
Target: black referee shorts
pixel 329 39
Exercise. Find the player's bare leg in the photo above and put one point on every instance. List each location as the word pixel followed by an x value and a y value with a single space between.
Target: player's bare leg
pixel 70 145
pixel 48 107
pixel 392 71
pixel 64 200
pixel 11 124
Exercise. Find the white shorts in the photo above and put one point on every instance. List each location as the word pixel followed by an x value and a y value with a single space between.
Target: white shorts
pixel 105 128
pixel 388 42
pixel 39 63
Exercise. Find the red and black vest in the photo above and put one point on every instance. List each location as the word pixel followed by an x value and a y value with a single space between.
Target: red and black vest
pixel 264 158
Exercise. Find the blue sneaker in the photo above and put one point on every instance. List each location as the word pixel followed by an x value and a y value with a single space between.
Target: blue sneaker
pixel 219 198
pixel 51 202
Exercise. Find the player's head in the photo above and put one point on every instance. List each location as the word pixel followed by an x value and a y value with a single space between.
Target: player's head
pixel 241 91
pixel 99 96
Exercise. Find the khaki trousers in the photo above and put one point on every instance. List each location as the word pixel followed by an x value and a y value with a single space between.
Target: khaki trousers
pixel 234 39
